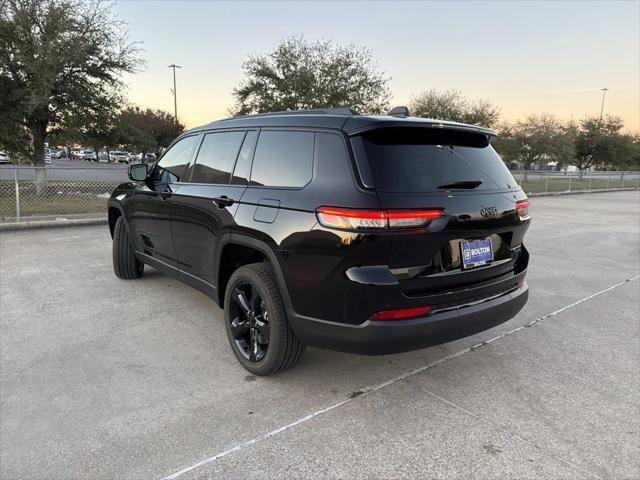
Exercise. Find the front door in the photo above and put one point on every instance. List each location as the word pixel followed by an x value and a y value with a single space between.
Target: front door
pixel 152 208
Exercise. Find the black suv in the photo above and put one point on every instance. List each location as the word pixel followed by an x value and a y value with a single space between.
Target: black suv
pixel 365 234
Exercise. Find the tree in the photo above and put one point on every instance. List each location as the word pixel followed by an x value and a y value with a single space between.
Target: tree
pixel 506 144
pixel 95 126
pixel 163 127
pixel 599 142
pixel 14 136
pixel 146 130
pixel 536 139
pixel 58 58
pixel 627 153
pixel 451 105
pixel 133 131
pixel 303 75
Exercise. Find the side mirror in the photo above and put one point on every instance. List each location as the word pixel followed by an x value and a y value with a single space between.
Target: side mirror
pixel 138 172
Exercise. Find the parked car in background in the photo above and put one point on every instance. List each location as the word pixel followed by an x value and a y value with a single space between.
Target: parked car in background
pixel 119 156
pixel 77 154
pixel 148 157
pixel 89 156
pixel 4 157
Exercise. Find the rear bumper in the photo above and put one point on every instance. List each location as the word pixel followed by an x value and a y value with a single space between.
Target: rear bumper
pixel 385 337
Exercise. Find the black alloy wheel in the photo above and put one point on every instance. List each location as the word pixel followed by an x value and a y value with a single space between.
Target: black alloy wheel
pixel 249 322
pixel 256 321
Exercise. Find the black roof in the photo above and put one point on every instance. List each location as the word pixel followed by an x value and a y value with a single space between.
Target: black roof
pixel 337 118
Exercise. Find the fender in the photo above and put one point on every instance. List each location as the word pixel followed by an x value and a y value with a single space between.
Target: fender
pixel 118 205
pixel 262 247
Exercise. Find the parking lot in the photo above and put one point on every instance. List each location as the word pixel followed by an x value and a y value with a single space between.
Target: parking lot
pixel 104 378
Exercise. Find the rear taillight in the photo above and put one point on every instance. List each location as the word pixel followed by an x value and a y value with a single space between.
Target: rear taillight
pixel 522 207
pixel 348 219
pixel 401 314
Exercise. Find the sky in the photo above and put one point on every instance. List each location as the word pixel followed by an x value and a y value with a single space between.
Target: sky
pixel 526 57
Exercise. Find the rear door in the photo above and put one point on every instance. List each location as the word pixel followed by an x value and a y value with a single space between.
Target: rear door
pixel 206 205
pixel 458 172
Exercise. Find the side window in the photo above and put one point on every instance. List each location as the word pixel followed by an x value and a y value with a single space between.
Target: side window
pixel 216 157
pixel 173 165
pixel 243 165
pixel 283 159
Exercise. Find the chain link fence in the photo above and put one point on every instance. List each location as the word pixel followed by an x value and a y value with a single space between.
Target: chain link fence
pixel 69 192
pixel 76 192
pixel 545 181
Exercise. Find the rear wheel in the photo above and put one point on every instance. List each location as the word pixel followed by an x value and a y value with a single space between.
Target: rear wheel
pixel 260 335
pixel 125 263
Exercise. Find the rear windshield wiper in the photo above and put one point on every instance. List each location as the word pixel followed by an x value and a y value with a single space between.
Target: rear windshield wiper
pixel 462 184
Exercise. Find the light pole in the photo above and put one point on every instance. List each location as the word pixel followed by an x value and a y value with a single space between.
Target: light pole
pixel 175 94
pixel 604 92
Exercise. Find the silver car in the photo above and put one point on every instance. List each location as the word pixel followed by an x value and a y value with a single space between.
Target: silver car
pixel 89 155
pixel 119 156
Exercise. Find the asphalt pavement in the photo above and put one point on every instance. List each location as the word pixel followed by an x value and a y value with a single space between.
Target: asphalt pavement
pixel 104 378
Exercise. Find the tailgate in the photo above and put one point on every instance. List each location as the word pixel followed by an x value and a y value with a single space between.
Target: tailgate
pixel 458 172
pixel 430 262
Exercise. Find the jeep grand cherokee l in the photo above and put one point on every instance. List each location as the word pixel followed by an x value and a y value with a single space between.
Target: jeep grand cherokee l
pixel 365 234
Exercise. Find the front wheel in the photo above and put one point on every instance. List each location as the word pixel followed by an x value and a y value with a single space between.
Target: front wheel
pixel 260 335
pixel 125 263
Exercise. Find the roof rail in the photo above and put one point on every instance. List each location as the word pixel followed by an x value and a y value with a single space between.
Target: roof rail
pixel 315 111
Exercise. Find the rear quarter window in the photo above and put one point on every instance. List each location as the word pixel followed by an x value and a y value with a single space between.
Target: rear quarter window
pixel 283 159
pixel 413 160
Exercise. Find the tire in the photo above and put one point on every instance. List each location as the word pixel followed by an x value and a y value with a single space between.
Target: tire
pixel 125 264
pixel 283 349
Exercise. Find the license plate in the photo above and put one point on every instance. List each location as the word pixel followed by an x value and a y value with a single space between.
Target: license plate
pixel 476 253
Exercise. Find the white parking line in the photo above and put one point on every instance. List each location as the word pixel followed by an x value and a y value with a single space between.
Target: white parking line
pixel 380 386
pixel 58 239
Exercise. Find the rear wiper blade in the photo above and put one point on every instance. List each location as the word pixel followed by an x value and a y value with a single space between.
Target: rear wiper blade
pixel 462 184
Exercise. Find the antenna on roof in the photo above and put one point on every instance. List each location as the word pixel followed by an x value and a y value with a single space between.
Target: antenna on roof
pixel 399 112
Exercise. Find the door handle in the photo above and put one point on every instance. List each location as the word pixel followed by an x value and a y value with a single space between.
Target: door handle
pixel 223 201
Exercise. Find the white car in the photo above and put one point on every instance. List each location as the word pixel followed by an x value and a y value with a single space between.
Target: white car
pixel 149 157
pixel 4 157
pixel 119 156
pixel 89 155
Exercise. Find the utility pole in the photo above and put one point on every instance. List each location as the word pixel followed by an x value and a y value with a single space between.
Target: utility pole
pixel 604 92
pixel 175 94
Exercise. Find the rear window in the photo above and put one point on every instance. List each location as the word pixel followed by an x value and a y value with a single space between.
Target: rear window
pixel 413 160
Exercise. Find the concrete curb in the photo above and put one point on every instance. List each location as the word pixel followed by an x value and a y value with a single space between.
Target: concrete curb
pixel 30 225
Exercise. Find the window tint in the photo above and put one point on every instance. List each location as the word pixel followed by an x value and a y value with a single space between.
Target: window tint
pixel 420 160
pixel 174 163
pixel 283 159
pixel 243 165
pixel 216 157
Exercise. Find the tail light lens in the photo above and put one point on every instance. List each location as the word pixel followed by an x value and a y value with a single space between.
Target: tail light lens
pixel 522 207
pixel 401 314
pixel 348 219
